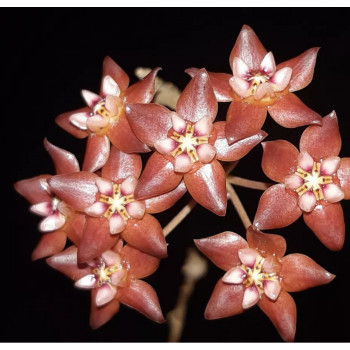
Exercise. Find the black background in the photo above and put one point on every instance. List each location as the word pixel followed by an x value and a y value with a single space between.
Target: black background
pixel 51 54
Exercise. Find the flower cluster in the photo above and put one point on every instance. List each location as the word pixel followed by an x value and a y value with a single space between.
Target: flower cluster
pixel 99 227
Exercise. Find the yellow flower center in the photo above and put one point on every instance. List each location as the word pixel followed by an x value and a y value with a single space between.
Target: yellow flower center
pixel 103 273
pixel 313 181
pixel 117 203
pixel 188 142
pixel 257 80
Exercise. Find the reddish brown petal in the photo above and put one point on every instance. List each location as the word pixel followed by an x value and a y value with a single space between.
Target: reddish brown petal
pixel 49 244
pixel 141 264
pixel 299 272
pixel 96 239
pixel 66 262
pixel 78 190
pixel 226 300
pixel 222 89
pixel 166 200
pixel 109 67
pixel 63 121
pixel 277 208
pixel 150 122
pixel 143 90
pixel 146 235
pixel 64 161
pixel 198 99
pixel 322 141
pixel 122 137
pixel 74 227
pixel 243 120
pixel 101 315
pixel 248 48
pixel 157 178
pixel 238 149
pixel 303 68
pixel 279 159
pixel 266 242
pixel 96 153
pixel 282 313
pixel 327 223
pixel 222 249
pixel 121 165
pixel 140 296
pixel 343 174
pixel 32 190
pixel 290 112
pixel 207 186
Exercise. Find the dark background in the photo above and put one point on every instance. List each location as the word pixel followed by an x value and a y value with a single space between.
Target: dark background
pixel 51 54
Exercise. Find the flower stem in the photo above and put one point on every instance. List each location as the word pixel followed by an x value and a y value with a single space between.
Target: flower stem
pixel 240 181
pixel 238 205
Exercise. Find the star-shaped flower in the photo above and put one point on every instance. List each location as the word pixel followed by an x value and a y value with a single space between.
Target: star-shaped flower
pixel 258 85
pixel 114 278
pixel 104 120
pixel 312 183
pixel 188 145
pixel 257 272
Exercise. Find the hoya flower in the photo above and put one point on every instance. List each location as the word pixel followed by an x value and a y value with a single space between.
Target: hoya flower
pixel 114 278
pixel 311 183
pixel 104 120
pixel 112 208
pixel 188 145
pixel 258 85
pixel 258 273
pixel 59 220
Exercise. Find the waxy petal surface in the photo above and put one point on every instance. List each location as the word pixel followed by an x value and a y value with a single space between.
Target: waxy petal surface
pixel 140 296
pixel 157 178
pixel 198 99
pixel 267 244
pixel 141 264
pixel 207 186
pixel 322 141
pixel 222 89
pixel 101 315
pixel 165 201
pixel 248 48
pixel 277 208
pixel 63 121
pixel 150 122
pixel 96 239
pixel 64 161
pixel 279 159
pixel 226 300
pixel 78 190
pixel 222 249
pixel 96 153
pixel 121 165
pixel 66 262
pixel 282 313
pixel 122 137
pixel 327 223
pixel 49 244
pixel 243 120
pixel 303 68
pixel 33 189
pixel 146 235
pixel 290 112
pixel 111 68
pixel 343 174
pixel 299 272
pixel 143 90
